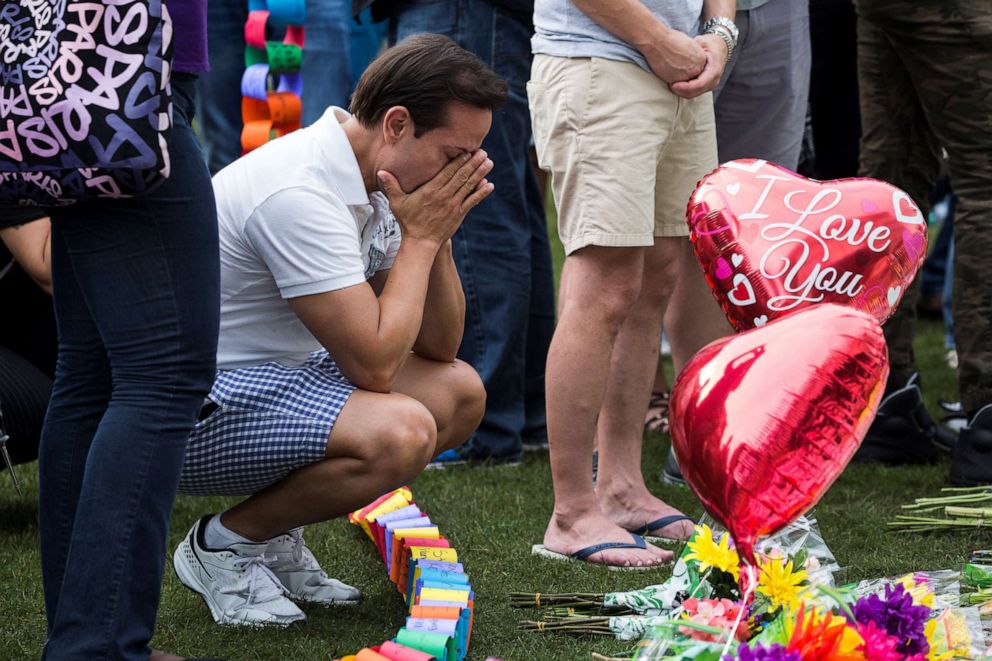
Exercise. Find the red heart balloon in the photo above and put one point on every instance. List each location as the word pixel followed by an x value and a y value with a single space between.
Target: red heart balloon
pixel 772 242
pixel 763 422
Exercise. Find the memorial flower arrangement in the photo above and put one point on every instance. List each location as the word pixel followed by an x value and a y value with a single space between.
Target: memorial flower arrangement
pixel 790 611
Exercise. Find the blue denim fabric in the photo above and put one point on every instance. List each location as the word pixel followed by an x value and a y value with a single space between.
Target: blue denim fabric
pixel 326 72
pixel 501 250
pixel 937 274
pixel 366 42
pixel 137 306
pixel 934 270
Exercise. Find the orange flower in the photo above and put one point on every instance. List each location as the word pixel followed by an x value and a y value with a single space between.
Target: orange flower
pixel 822 638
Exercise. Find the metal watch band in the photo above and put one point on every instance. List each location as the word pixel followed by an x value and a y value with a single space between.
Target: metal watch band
pixel 725 29
pixel 727 39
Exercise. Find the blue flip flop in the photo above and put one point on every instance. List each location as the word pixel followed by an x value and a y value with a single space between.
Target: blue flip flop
pixel 658 524
pixel 582 555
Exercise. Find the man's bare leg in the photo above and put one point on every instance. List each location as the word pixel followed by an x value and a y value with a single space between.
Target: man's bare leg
pixel 599 288
pixel 379 442
pixel 623 495
pixel 452 392
pixel 693 318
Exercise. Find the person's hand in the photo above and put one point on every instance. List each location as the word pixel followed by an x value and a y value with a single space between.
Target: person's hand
pixel 676 57
pixel 715 49
pixel 434 211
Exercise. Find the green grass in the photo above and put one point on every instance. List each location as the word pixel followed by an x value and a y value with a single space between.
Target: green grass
pixel 492 516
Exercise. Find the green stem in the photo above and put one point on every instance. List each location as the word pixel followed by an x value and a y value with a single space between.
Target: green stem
pixel 837 597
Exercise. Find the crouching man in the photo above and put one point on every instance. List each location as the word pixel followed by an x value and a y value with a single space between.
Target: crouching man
pixel 338 379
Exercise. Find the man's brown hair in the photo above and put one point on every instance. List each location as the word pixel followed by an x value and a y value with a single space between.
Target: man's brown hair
pixel 424 73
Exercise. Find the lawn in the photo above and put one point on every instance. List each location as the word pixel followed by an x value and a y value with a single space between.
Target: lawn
pixel 492 516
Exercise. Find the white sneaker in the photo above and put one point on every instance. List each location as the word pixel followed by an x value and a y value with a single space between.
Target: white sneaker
pixel 288 557
pixel 236 584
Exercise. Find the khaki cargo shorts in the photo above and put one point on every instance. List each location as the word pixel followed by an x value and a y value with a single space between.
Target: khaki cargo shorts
pixel 624 152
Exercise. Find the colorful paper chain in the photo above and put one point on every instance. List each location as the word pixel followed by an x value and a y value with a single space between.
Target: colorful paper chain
pixel 426 571
pixel 272 86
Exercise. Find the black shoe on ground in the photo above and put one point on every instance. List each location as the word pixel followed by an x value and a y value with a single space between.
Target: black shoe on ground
pixel 672 474
pixel 971 464
pixel 903 431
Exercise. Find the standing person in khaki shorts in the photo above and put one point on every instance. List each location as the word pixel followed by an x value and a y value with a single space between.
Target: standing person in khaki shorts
pixel 623 121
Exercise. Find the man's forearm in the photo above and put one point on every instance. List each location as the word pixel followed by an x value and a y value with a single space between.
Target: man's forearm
pixel 444 311
pixel 401 305
pixel 370 335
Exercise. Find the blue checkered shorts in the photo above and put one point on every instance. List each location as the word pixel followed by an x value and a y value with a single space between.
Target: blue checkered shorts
pixel 271 420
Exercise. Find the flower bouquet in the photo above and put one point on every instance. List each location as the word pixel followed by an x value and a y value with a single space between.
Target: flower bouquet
pixel 792 618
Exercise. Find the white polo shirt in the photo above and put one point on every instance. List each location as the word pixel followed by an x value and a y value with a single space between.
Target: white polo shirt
pixel 294 220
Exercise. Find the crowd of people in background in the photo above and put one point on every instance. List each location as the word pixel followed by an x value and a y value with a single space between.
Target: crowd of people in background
pixel 373 294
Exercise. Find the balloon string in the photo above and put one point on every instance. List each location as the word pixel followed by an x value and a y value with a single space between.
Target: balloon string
pixel 752 584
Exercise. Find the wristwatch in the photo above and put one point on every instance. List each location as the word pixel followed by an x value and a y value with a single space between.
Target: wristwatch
pixel 724 28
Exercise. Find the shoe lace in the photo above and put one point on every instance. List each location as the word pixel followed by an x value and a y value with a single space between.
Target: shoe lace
pixel 257 579
pixel 298 545
pixel 303 557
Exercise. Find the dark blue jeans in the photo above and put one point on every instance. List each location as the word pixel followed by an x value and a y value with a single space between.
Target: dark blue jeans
pixel 326 72
pixel 501 250
pixel 137 306
pixel 937 274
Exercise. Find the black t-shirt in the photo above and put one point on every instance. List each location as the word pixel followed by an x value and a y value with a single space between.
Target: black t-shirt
pixel 11 215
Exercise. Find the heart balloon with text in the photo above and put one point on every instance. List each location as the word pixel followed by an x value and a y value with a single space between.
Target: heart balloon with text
pixel 772 242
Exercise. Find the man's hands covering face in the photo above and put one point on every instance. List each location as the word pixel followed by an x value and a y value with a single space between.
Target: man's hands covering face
pixel 434 211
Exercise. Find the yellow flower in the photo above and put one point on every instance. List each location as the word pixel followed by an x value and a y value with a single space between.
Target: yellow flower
pixel 922 593
pixel 709 553
pixel 780 583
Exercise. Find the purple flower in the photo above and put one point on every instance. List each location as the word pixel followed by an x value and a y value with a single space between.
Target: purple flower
pixel 761 653
pixel 898 616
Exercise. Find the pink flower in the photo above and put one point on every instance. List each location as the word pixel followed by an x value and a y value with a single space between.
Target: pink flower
pixel 718 613
pixel 878 645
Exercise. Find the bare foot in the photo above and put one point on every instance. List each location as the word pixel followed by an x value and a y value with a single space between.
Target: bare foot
pixel 570 534
pixel 635 507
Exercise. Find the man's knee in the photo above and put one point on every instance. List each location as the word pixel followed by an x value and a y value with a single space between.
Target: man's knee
pixel 618 299
pixel 606 284
pixel 408 442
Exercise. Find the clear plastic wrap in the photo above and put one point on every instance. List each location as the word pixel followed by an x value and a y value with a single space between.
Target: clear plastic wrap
pixel 802 536
pixel 943 584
